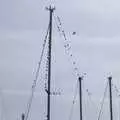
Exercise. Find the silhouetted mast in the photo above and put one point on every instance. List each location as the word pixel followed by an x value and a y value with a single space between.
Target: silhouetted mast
pixel 49 62
pixel 110 92
pixel 80 95
pixel 23 116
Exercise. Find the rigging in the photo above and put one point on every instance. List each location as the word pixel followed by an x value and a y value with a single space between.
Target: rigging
pixel 102 103
pixel 26 114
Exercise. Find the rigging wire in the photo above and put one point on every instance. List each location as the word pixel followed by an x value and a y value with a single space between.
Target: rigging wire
pixel 73 102
pixel 116 89
pixel 100 112
pixel 85 103
pixel 117 92
pixel 67 44
pixel 89 94
pixel 36 78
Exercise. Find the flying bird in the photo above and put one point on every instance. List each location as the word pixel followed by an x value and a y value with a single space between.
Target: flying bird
pixel 74 33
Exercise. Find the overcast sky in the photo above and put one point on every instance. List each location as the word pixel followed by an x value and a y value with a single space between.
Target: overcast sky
pixel 96 47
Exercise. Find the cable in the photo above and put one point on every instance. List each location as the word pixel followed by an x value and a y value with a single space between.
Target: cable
pixel 116 89
pixel 36 78
pixel 85 102
pixel 73 102
pixel 100 112
pixel 67 44
pixel 92 102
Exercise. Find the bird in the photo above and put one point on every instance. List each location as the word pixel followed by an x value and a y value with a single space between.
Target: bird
pixel 73 33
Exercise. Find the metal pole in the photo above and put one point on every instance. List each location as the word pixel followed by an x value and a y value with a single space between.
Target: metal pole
pixel 110 92
pixel 23 116
pixel 49 61
pixel 80 95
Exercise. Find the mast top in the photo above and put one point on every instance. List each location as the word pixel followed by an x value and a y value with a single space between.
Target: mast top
pixel 50 8
pixel 110 77
pixel 80 78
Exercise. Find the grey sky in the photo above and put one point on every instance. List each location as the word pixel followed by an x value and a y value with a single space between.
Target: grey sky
pixel 96 47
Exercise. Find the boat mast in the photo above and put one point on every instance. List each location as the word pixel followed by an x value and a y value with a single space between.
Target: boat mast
pixel 50 9
pixel 23 116
pixel 80 95
pixel 110 92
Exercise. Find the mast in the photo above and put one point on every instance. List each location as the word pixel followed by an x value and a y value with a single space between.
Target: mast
pixel 80 95
pixel 49 61
pixel 110 92
pixel 23 116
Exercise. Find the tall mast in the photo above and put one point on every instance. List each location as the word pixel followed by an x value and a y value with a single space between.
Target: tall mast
pixel 80 95
pixel 49 62
pixel 110 92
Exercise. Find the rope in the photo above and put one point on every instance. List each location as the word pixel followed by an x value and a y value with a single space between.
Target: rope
pixel 100 112
pixel 36 78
